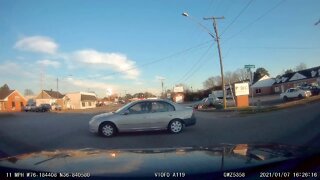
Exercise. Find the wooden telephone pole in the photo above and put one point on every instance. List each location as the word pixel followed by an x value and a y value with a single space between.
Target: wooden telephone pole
pixel 220 56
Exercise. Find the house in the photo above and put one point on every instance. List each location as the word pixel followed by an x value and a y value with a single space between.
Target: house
pixel 294 79
pixel 49 97
pixel 263 86
pixel 81 100
pixel 11 100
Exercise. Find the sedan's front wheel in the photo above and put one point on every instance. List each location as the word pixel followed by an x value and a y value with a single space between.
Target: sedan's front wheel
pixel 107 129
pixel 175 126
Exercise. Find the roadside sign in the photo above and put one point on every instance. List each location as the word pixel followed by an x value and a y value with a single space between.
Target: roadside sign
pixel 241 89
pixel 249 66
pixel 178 89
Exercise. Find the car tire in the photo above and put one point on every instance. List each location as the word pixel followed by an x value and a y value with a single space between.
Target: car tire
pixel 175 126
pixel 107 129
pixel 300 96
pixel 285 98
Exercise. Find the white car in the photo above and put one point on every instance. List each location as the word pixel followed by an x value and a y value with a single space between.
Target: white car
pixel 143 115
pixel 294 93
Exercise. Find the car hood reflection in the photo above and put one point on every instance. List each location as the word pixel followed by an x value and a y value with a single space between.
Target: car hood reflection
pixel 148 161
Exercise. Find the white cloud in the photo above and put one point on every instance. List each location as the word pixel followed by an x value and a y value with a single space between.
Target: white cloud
pixel 39 44
pixel 47 62
pixel 99 87
pixel 115 61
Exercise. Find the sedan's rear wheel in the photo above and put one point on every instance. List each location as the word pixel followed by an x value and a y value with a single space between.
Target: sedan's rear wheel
pixel 175 126
pixel 107 129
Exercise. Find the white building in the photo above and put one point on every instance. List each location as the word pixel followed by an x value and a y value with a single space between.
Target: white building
pixel 81 100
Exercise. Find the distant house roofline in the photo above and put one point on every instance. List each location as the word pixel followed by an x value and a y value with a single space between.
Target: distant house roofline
pixel 313 72
pixel 4 95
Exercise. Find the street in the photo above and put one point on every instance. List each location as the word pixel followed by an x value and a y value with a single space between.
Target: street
pixel 30 132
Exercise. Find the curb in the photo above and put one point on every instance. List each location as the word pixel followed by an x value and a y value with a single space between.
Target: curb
pixel 262 109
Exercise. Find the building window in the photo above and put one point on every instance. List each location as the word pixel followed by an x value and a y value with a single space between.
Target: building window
pixel 258 91
pixel 21 104
pixel 89 103
pixel 13 104
pixel 83 104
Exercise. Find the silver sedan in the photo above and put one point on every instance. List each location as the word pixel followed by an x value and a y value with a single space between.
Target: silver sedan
pixel 144 115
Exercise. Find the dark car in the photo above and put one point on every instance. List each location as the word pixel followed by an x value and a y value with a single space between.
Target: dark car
pixel 315 90
pixel 43 108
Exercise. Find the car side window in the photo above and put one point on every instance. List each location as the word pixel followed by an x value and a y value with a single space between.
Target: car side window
pixel 161 107
pixel 140 108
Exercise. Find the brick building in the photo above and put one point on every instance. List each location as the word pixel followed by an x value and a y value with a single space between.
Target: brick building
pixel 11 100
pixel 294 79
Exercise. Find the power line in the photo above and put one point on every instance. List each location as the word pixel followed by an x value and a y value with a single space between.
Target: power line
pixel 254 21
pixel 235 19
pixel 197 69
pixel 160 59
pixel 280 48
pixel 200 60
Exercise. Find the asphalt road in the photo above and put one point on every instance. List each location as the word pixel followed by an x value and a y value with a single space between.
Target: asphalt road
pixel 30 132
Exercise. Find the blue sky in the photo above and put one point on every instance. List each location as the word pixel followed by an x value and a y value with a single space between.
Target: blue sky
pixel 127 46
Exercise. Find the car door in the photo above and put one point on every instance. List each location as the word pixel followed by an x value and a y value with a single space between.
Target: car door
pixel 290 93
pixel 135 117
pixel 161 114
pixel 295 93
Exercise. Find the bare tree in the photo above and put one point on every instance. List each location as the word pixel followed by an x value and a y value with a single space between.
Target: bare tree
pixel 287 71
pixel 241 75
pixel 229 77
pixel 301 66
pixel 212 82
pixel 28 92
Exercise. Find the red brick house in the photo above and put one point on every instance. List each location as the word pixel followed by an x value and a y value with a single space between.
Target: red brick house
pixel 11 100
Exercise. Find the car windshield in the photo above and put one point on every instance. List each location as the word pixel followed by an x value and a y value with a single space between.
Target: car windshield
pixel 124 107
pixel 204 74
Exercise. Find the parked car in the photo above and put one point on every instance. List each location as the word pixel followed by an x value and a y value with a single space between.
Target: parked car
pixel 295 93
pixel 43 108
pixel 143 115
pixel 315 90
pixel 30 107
pixel 56 107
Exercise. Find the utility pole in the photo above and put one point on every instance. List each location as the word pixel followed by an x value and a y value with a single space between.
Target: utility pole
pixel 220 57
pixel 57 87
pixel 162 79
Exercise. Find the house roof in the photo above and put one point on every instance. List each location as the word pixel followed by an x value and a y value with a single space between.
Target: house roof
pixel 295 76
pixel 265 81
pixel 85 97
pixel 54 94
pixel 4 93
